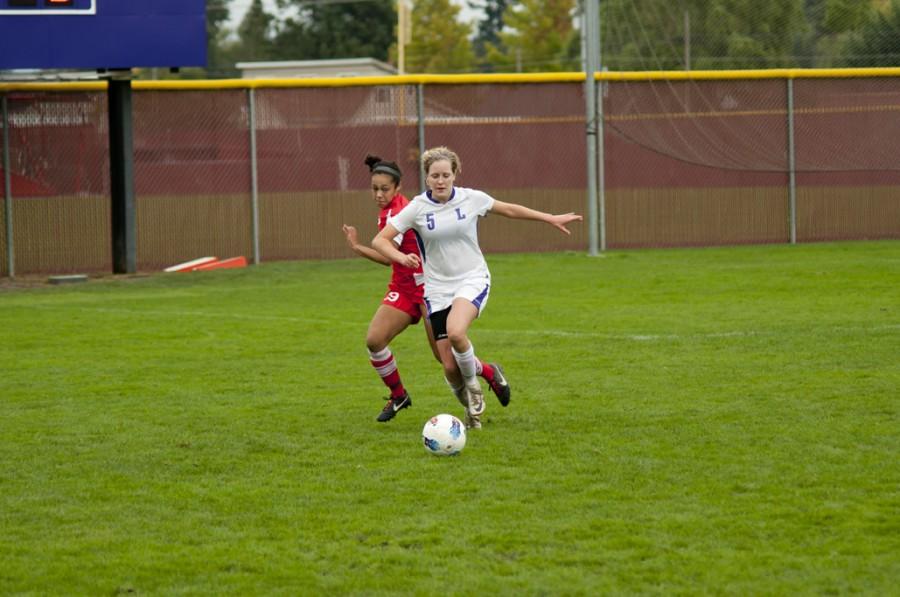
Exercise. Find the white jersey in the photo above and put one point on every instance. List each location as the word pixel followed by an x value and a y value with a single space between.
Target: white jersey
pixel 448 236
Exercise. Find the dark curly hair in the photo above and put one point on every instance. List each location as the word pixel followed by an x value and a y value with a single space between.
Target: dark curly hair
pixel 378 166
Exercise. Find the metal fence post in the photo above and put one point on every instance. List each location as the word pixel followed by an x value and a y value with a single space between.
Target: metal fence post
pixel 420 113
pixel 7 194
pixel 254 176
pixel 591 65
pixel 601 168
pixel 792 162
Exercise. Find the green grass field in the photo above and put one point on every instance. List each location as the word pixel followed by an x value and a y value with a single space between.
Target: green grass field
pixel 712 421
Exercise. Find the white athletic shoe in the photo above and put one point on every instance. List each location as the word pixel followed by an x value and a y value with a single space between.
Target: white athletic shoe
pixel 475 408
pixel 476 401
pixel 462 396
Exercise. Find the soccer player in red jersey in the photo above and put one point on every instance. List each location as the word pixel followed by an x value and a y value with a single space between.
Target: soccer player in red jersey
pixel 403 304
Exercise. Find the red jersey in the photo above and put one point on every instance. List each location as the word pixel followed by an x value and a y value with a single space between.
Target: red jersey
pixel 404 279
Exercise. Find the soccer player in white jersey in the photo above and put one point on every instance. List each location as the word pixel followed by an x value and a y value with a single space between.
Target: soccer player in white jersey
pixel 457 279
pixel 404 303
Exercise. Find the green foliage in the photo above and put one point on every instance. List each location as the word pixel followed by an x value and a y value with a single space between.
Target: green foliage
pixel 539 38
pixel 758 34
pixel 538 35
pixel 830 23
pixel 877 42
pixel 684 422
pixel 339 30
pixel 489 28
pixel 217 14
pixel 650 34
pixel 643 34
pixel 256 33
pixel 440 43
pixel 844 15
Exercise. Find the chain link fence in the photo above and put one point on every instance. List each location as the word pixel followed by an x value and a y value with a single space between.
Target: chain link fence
pixel 58 179
pixel 191 175
pixel 272 172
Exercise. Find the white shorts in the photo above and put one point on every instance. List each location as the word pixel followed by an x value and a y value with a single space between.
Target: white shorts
pixel 476 290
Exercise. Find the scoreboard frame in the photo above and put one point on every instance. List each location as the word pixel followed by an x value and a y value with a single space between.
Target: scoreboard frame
pixel 73 8
pixel 114 36
pixel 102 34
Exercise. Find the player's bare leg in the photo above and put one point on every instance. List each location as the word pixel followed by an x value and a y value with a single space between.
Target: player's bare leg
pixel 429 332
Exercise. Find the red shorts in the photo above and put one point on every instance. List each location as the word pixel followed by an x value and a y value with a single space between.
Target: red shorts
pixel 405 302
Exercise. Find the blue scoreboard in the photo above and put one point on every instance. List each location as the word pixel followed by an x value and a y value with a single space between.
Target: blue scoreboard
pixel 102 34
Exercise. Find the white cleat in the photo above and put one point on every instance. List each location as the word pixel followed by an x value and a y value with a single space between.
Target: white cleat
pixel 474 408
pixel 462 395
pixel 476 401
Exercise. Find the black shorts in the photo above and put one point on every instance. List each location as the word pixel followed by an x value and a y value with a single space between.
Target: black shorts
pixel 439 323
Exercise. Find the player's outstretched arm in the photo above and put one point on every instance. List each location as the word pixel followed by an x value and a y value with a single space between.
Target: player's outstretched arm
pixel 520 212
pixel 362 250
pixel 384 244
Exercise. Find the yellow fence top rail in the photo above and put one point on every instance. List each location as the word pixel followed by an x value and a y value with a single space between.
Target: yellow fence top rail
pixel 365 81
pixel 774 73
pixel 54 86
pixel 511 78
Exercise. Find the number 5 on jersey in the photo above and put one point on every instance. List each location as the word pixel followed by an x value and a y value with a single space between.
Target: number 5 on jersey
pixel 429 218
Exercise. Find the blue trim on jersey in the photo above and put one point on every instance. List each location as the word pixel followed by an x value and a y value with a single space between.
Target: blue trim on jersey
pixel 421 244
pixel 427 307
pixel 452 195
pixel 480 298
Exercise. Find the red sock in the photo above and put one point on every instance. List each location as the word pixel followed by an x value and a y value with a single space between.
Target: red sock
pixel 384 364
pixel 487 372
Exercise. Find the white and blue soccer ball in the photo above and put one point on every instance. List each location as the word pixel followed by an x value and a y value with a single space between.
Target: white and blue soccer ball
pixel 444 435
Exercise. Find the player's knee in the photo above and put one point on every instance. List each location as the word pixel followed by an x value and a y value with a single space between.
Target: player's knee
pixel 458 339
pixel 376 343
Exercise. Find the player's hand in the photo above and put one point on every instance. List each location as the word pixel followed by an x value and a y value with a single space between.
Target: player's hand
pixel 560 220
pixel 350 233
pixel 411 260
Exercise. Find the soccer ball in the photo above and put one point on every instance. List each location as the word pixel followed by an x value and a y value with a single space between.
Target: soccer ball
pixel 444 435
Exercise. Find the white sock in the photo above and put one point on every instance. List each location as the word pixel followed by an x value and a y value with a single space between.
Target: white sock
pixel 383 361
pixel 466 361
pixel 382 355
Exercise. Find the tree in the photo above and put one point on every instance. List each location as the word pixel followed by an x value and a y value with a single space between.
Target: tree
pixel 877 42
pixel 440 43
pixel 758 34
pixel 489 28
pixel 256 33
pixel 646 34
pixel 830 25
pixel 363 29
pixel 650 34
pixel 217 15
pixel 540 36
